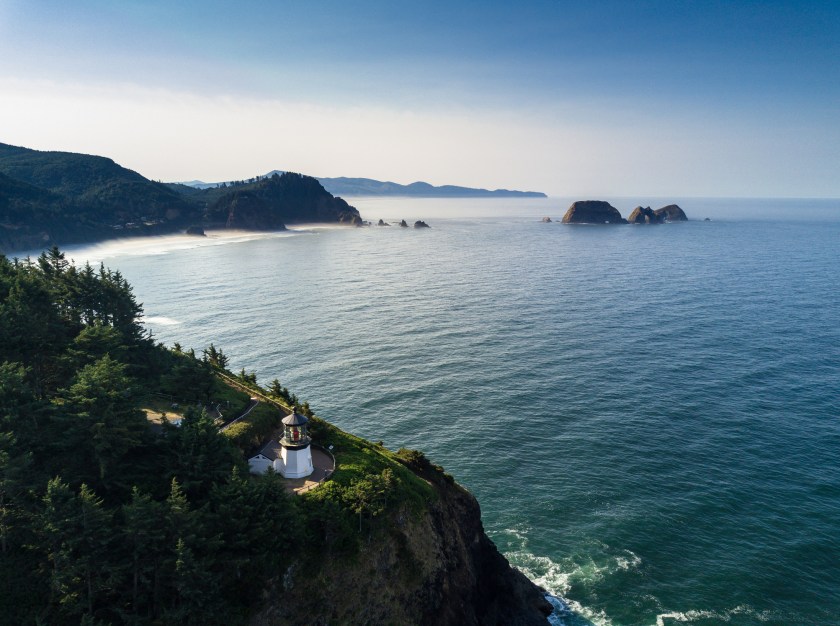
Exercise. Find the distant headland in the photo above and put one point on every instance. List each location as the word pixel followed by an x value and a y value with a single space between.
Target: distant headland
pixel 343 186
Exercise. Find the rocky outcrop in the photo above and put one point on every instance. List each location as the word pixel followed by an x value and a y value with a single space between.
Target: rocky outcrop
pixel 351 219
pixel 672 213
pixel 382 222
pixel 437 567
pixel 420 224
pixel 592 212
pixel 546 220
pixel 403 224
pixel 644 215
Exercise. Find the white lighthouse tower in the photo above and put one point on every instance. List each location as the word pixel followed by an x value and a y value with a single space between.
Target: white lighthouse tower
pixel 295 452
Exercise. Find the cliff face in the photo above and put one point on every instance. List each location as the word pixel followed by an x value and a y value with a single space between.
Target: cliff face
pixel 435 568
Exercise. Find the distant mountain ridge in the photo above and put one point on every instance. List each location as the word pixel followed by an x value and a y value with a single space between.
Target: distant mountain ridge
pixel 344 186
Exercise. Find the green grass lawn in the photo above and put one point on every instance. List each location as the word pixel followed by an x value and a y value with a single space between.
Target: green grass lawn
pixel 358 459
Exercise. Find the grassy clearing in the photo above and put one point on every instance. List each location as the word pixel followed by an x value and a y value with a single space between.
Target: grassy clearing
pixel 159 409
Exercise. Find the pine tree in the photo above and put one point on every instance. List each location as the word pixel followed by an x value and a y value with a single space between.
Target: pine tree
pixel 76 533
pixel 142 537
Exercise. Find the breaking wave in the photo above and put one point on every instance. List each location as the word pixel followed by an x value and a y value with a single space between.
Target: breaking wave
pixel 161 320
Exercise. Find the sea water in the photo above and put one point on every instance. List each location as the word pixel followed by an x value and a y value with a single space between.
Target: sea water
pixel 648 415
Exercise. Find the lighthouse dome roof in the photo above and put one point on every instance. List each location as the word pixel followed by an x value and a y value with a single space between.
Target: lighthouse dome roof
pixel 295 419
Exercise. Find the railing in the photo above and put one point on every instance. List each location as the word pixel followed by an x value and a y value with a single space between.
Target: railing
pixel 235 382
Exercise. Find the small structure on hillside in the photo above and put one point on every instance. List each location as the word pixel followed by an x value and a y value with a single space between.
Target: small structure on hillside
pixel 291 455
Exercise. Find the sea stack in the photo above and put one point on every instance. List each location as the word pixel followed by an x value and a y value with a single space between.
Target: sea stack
pixel 672 213
pixel 593 212
pixel 644 215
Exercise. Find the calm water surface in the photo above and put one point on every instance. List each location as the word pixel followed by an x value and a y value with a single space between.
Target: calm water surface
pixel 648 415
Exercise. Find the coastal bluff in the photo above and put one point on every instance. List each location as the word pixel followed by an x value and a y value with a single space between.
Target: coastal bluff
pixel 435 567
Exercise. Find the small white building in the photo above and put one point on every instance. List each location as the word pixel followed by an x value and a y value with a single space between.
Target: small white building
pixel 291 456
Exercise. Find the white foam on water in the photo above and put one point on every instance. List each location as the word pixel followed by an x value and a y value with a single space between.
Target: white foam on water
pixel 161 320
pixel 718 616
pixel 165 244
pixel 628 561
pixel 556 580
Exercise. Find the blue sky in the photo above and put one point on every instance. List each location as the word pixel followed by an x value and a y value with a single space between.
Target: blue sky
pixel 611 98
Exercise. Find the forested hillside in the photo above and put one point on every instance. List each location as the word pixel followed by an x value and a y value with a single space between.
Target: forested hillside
pixel 267 202
pixel 49 197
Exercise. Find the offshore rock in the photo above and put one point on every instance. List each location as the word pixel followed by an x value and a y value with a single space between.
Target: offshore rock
pixel 421 224
pixel 644 215
pixel 382 222
pixel 436 567
pixel 351 218
pixel 403 224
pixel 592 212
pixel 546 220
pixel 672 213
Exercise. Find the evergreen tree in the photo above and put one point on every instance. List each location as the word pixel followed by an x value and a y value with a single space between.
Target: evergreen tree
pixel 75 532
pixel 142 538
pixel 103 424
pixel 198 455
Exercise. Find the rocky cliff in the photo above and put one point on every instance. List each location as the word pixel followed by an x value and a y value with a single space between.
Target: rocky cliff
pixel 436 567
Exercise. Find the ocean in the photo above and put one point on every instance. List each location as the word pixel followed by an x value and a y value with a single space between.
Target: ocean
pixel 648 415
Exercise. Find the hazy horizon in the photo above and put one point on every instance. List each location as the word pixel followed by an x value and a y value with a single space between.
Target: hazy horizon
pixel 599 99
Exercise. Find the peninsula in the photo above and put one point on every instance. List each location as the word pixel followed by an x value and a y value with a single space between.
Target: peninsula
pixel 126 497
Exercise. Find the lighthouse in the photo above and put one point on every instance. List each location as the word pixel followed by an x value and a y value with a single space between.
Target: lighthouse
pixel 295 452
